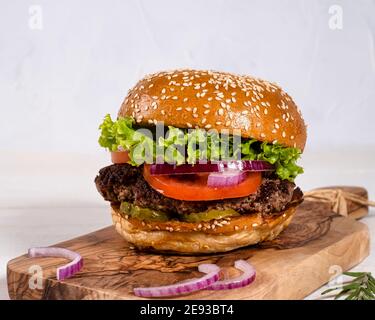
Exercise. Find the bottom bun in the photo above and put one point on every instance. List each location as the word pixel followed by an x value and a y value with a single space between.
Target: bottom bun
pixel 207 237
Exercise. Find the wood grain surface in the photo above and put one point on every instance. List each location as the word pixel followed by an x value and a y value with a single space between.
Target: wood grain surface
pixel 296 263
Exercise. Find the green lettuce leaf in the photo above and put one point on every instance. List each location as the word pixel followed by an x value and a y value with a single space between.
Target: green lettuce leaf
pixel 193 145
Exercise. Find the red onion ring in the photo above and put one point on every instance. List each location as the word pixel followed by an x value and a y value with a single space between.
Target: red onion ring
pixel 209 167
pixel 247 277
pixel 226 179
pixel 212 275
pixel 65 271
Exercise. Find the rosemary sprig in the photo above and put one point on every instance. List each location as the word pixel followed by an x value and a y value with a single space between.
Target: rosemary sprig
pixel 362 287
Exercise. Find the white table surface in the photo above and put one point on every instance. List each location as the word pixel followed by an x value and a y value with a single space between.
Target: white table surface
pixel 48 198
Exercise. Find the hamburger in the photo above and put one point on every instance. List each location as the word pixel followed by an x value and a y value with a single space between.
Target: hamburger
pixel 203 162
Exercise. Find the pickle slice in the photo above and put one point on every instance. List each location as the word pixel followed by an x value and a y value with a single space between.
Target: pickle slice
pixel 143 213
pixel 155 215
pixel 209 215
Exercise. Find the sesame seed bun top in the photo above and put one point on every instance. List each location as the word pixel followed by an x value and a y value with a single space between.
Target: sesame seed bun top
pixel 217 100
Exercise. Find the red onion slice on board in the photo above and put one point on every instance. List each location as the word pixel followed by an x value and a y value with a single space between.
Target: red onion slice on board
pixel 247 277
pixel 65 271
pixel 212 275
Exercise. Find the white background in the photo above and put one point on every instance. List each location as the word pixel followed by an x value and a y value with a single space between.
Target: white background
pixel 57 83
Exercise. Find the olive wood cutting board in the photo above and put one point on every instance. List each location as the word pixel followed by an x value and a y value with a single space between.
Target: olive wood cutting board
pixel 317 243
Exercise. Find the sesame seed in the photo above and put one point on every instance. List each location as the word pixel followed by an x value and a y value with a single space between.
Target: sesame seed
pixel 218 122
pixel 277 126
pixel 207 126
pixel 163 112
pixel 262 135
pixel 265 111
pixel 220 111
pixel 292 137
pixel 245 112
pixel 206 111
pixel 283 134
pixel 174 97
pixel 206 106
pixel 194 109
pixel 254 224
pixel 163 90
pixel 227 123
pixel 185 99
pixel 189 124
pixel 236 228
pixel 204 120
pixel 258 124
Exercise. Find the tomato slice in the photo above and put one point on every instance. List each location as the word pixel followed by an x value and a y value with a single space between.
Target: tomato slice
pixel 120 157
pixel 193 187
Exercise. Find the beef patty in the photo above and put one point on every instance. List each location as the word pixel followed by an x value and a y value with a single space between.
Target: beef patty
pixel 123 182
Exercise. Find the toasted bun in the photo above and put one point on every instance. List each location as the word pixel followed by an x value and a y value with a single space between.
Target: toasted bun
pixel 217 100
pixel 209 237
